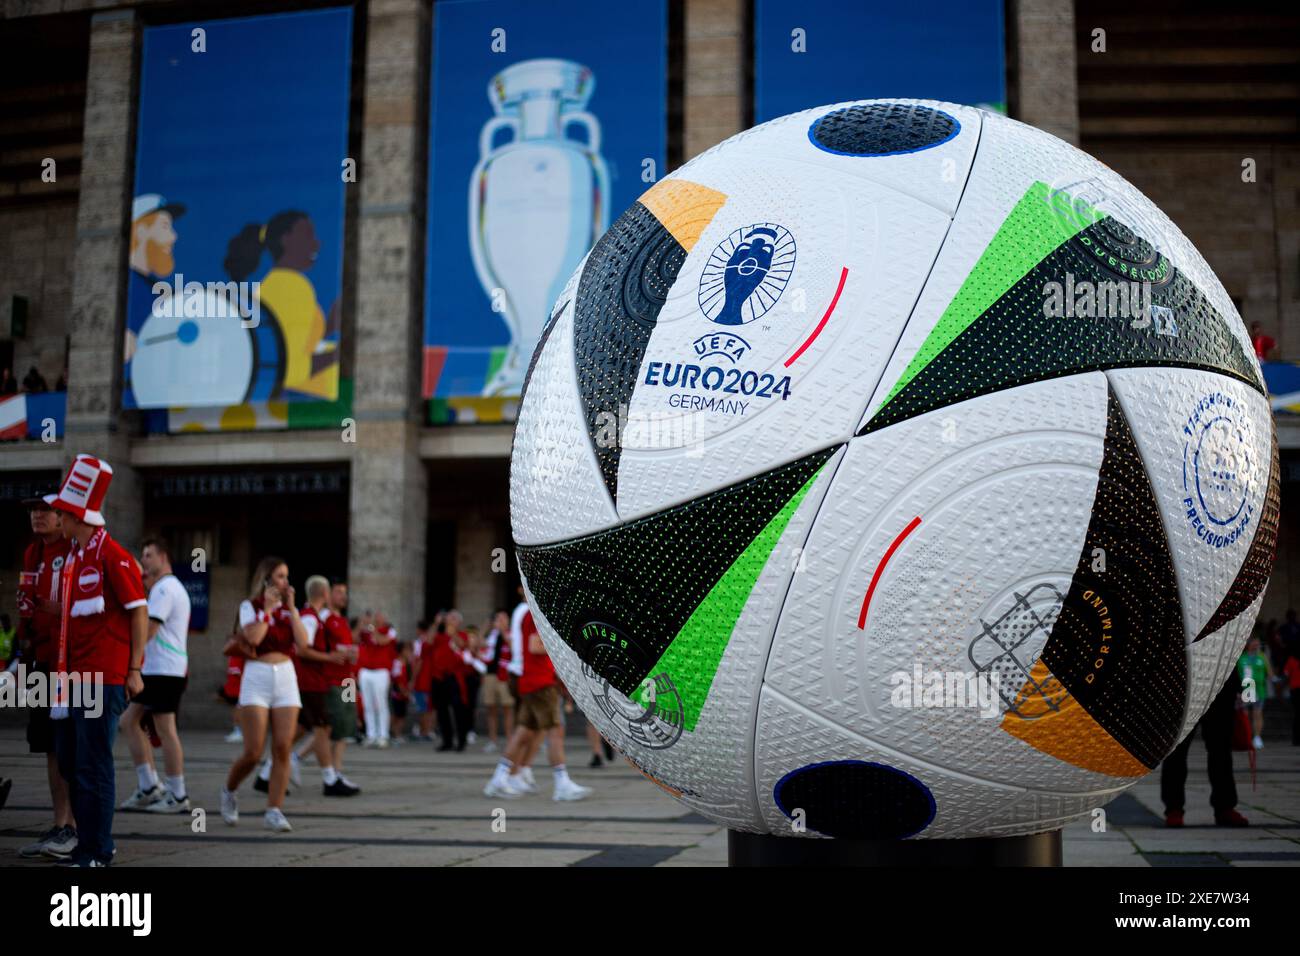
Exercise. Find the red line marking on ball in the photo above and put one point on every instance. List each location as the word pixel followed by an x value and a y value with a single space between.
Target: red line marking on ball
pixel 844 274
pixel 875 578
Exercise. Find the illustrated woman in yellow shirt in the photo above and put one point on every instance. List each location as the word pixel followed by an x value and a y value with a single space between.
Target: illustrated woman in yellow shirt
pixel 311 365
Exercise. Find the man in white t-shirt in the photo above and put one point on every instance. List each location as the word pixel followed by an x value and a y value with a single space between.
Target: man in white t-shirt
pixel 165 668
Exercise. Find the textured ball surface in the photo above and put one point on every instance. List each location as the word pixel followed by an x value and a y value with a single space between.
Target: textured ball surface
pixel 896 469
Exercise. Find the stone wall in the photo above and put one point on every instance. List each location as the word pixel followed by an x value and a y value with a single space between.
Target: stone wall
pixel 36 249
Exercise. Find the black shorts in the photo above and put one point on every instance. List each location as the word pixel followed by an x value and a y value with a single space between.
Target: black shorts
pixel 313 713
pixel 161 694
pixel 398 706
pixel 342 714
pixel 40 731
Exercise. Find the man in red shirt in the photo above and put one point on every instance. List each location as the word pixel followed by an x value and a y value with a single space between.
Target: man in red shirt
pixel 105 627
pixel 375 674
pixel 313 666
pixel 39 610
pixel 340 701
pixel 540 714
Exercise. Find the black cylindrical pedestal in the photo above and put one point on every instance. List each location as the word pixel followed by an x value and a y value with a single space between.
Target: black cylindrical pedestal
pixel 763 849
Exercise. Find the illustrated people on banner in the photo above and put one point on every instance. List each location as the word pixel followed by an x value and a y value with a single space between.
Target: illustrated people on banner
pixel 311 348
pixel 151 258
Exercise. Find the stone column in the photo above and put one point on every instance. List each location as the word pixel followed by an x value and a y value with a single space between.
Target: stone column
pixel 94 424
pixel 1286 226
pixel 714 106
pixel 477 583
pixel 1046 93
pixel 389 505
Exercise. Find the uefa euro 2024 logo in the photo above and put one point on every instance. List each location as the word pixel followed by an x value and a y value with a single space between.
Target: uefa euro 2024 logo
pixel 747 273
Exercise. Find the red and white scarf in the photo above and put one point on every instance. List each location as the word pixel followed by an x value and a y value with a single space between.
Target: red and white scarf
pixel 83 578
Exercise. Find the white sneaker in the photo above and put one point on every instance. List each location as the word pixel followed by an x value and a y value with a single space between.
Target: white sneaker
pixel 490 747
pixel 275 820
pixel 1259 744
pixel 229 807
pixel 382 743
pixel 169 804
pixel 142 799
pixel 501 787
pixel 370 742
pixel 236 736
pixel 471 738
pixel 568 790
pixel 521 784
pixel 528 778
pixel 295 770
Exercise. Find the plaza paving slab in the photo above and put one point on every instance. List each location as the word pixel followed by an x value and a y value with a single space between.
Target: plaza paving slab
pixel 422 808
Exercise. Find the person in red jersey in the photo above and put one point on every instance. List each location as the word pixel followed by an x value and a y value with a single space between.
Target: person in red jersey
pixel 229 692
pixel 449 690
pixel 313 667
pixel 375 674
pixel 422 683
pixel 426 675
pixel 540 717
pixel 270 629
pixel 102 637
pixel 309 667
pixel 39 608
pixel 340 700
pixel 399 694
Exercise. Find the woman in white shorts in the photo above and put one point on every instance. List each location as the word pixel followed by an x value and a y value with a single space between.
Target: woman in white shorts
pixel 269 628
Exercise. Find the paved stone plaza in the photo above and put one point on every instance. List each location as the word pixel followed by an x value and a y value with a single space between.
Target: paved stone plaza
pixel 424 808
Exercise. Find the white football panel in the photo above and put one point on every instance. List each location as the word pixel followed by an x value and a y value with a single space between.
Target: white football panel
pixel 556 491
pixel 1182 420
pixel 1004 486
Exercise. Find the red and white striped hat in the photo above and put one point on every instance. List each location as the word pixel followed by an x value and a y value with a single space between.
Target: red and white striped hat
pixel 84 488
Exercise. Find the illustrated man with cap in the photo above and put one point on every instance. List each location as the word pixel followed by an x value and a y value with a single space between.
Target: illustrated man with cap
pixel 39 613
pixel 153 237
pixel 102 639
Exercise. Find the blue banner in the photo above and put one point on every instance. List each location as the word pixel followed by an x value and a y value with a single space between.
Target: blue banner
pixel 548 121
pixel 816 52
pixel 237 219
pixel 196 586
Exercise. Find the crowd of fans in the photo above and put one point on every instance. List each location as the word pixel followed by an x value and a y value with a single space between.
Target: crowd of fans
pixel 105 633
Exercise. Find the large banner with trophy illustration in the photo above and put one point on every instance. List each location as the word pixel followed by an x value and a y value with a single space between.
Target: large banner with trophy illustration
pixel 548 120
pixel 813 52
pixel 236 247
